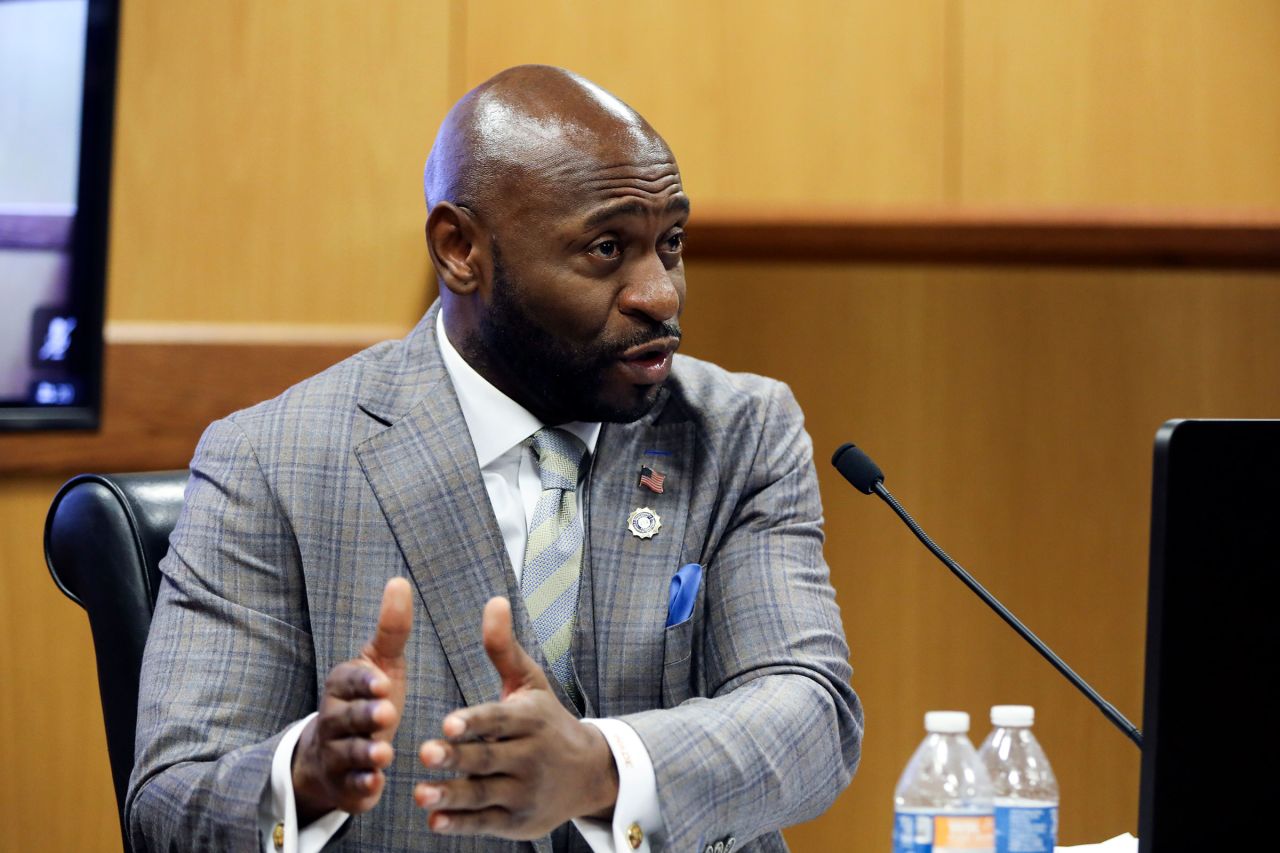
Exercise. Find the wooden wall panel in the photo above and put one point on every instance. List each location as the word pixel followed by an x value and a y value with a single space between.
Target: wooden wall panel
pixel 1151 102
pixel 57 793
pixel 1013 412
pixel 761 102
pixel 269 157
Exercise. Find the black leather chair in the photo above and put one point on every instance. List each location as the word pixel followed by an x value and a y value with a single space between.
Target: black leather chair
pixel 103 541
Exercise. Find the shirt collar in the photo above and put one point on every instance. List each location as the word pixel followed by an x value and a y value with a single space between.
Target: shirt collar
pixel 497 423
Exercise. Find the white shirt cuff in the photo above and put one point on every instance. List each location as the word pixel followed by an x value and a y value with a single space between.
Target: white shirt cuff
pixel 637 795
pixel 278 807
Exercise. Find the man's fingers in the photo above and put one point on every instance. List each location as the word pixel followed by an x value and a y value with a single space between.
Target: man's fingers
pixel 357 679
pixel 353 755
pixel 395 621
pixel 494 820
pixel 339 719
pixel 478 758
pixel 476 792
pixel 360 790
pixel 495 720
pixel 340 755
pixel 509 658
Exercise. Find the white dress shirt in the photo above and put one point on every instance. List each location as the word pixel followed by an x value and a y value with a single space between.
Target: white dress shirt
pixel 498 427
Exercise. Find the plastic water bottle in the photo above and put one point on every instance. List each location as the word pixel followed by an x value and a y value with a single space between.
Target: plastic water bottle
pixel 944 801
pixel 1025 788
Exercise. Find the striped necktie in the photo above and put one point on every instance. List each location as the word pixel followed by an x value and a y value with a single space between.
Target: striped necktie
pixel 553 554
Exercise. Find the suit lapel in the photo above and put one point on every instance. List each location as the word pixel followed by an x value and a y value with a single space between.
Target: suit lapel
pixel 424 474
pixel 631 576
pixel 429 487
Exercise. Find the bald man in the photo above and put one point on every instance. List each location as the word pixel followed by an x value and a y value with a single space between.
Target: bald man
pixel 573 581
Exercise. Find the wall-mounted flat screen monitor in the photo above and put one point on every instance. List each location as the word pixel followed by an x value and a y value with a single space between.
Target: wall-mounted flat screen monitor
pixel 57 92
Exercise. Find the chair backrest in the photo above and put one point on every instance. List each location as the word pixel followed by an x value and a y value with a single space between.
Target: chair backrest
pixel 103 541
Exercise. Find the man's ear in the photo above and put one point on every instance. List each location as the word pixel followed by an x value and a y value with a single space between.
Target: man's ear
pixel 457 247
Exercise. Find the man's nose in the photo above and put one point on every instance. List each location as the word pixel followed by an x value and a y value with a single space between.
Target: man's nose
pixel 652 290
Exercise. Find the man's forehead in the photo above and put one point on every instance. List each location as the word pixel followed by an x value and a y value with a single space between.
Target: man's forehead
pixel 593 190
pixel 652 171
pixel 582 172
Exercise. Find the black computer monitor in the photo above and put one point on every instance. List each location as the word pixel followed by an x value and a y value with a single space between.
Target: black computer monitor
pixel 1208 748
pixel 57 95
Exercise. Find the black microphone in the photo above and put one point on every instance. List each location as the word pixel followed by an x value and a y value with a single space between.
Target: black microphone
pixel 857 467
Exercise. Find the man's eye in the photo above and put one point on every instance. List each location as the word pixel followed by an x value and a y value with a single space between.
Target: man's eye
pixel 607 249
pixel 674 242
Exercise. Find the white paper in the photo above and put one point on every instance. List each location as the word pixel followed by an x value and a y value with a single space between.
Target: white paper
pixel 1124 843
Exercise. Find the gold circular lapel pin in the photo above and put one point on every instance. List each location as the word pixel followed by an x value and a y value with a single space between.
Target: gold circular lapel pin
pixel 644 523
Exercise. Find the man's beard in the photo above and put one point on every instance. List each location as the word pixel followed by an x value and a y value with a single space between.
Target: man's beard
pixel 563 378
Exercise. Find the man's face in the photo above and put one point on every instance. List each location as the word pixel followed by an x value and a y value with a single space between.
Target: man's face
pixel 587 287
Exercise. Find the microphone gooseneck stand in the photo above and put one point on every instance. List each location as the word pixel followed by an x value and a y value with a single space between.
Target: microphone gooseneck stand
pixel 867 478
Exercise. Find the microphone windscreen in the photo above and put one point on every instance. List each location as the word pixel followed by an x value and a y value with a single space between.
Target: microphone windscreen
pixel 857 467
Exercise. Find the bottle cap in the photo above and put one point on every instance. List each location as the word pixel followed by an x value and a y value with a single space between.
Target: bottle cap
pixel 946 722
pixel 1012 715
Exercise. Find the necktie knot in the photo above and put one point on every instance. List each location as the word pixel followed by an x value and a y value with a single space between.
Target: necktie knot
pixel 559 455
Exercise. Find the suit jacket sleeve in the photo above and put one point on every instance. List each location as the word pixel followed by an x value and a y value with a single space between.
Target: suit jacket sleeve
pixel 779 734
pixel 229 659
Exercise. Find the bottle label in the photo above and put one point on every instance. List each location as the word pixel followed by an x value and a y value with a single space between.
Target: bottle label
pixel 925 831
pixel 1026 829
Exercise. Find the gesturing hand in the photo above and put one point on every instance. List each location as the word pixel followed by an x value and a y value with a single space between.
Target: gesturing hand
pixel 342 752
pixel 525 764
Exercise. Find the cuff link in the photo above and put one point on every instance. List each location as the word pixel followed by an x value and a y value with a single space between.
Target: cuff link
pixel 277 836
pixel 635 836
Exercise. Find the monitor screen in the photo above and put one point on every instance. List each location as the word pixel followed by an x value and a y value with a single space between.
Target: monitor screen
pixel 1210 637
pixel 57 85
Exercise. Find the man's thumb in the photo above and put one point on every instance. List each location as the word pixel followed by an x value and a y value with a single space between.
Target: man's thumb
pixel 395 620
pixel 512 662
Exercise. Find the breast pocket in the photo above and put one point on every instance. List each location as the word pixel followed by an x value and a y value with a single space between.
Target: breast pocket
pixel 680 660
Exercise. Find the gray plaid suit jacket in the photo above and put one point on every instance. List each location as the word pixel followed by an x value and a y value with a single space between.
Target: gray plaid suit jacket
pixel 300 508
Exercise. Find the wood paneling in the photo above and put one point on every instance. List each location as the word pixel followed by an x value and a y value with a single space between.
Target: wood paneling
pixel 1084 237
pixel 1013 411
pixel 268 159
pixel 984 102
pixel 57 793
pixel 830 101
pixel 1096 102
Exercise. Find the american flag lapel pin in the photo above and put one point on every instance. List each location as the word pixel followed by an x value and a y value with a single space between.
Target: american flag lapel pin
pixel 651 479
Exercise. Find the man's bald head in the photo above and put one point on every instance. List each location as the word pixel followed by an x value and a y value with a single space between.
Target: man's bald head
pixel 530 121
